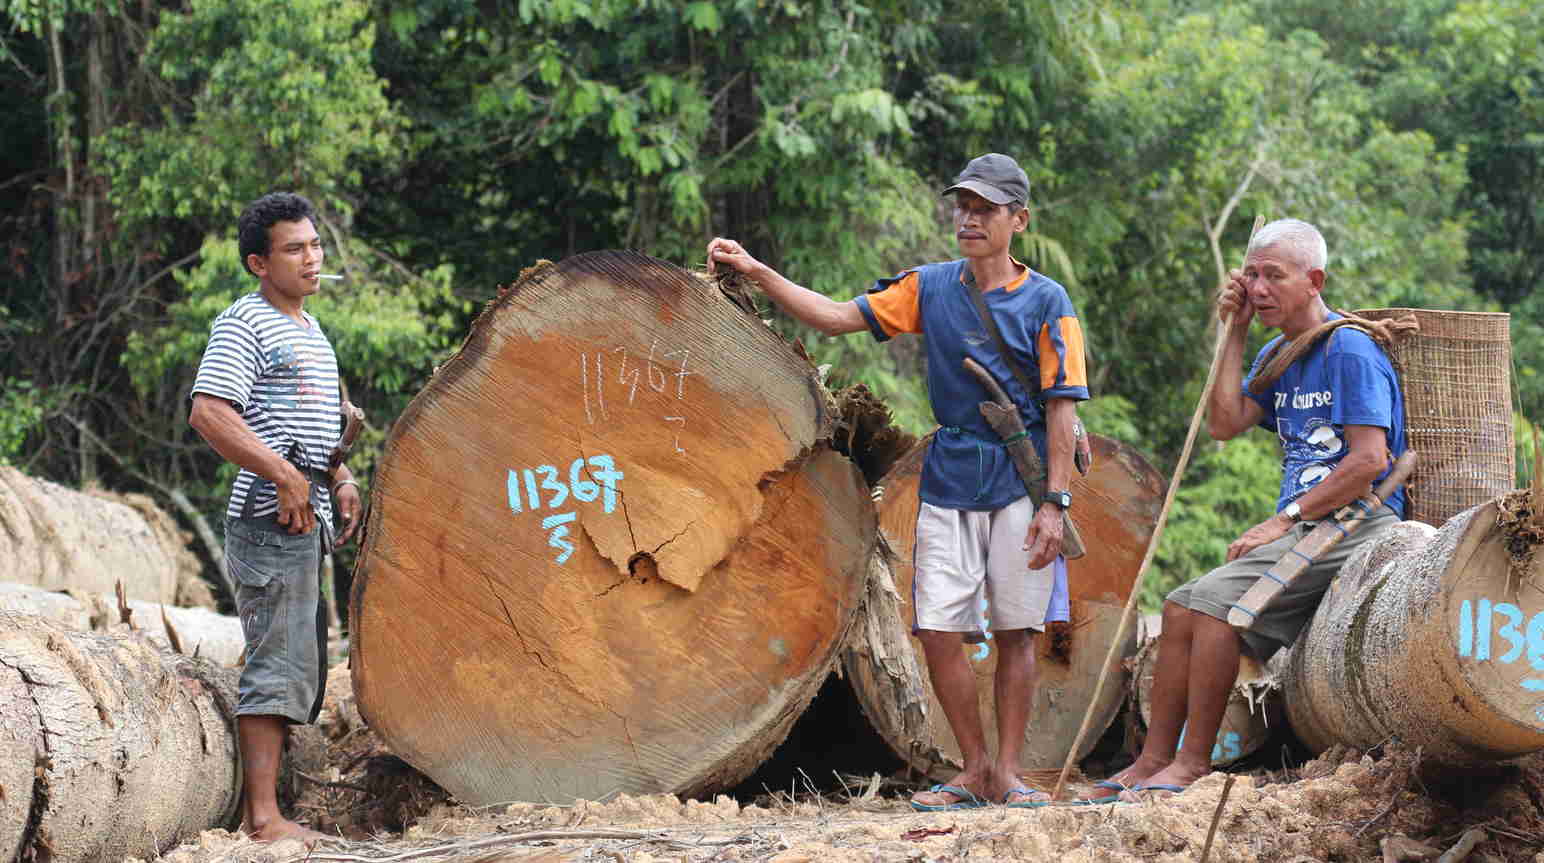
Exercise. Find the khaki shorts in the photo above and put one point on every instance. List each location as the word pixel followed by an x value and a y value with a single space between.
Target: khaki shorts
pixel 1278 623
pixel 963 557
pixel 278 597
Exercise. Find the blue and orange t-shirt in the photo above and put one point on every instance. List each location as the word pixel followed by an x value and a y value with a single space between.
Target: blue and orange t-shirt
pixel 967 466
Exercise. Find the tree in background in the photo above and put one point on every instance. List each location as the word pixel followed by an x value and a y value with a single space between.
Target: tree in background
pixel 451 143
pixel 126 244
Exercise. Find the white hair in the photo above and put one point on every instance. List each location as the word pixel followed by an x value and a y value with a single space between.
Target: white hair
pixel 1302 240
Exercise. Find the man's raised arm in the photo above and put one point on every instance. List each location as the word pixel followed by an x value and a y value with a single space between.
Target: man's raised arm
pixel 811 308
pixel 1230 413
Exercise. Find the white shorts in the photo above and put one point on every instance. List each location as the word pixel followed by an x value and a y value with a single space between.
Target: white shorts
pixel 971 572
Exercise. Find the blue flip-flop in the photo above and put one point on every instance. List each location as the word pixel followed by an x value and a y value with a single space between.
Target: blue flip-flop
pixel 1107 784
pixel 1159 786
pixel 968 799
pixel 1024 804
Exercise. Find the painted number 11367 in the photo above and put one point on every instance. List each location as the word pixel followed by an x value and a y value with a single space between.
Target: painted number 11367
pixel 587 479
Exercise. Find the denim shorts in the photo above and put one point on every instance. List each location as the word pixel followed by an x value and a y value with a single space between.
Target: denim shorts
pixel 278 597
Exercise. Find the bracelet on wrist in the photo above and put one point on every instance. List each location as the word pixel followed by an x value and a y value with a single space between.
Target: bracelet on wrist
pixel 343 483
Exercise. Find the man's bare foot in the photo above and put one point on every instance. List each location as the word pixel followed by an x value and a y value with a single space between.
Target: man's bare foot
pixel 1167 782
pixel 1025 797
pixel 282 828
pixel 1139 771
pixel 947 794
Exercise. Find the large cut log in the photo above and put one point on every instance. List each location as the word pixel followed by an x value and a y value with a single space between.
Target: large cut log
pixel 56 538
pixel 1431 637
pixel 608 550
pixel 1116 509
pixel 110 747
pixel 192 631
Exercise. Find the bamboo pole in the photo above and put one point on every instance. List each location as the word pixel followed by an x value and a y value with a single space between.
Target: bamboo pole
pixel 1152 544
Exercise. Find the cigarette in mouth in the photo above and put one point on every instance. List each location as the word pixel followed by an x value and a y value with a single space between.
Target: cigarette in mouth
pixel 328 276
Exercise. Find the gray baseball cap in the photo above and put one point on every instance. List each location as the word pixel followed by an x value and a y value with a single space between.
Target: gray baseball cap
pixel 995 177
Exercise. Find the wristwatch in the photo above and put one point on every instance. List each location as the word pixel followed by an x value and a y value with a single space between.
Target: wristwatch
pixel 1293 512
pixel 1059 499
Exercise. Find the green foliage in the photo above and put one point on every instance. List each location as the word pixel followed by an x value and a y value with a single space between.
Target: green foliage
pixel 266 97
pixel 1210 109
pixel 1226 490
pixel 451 137
pixel 21 412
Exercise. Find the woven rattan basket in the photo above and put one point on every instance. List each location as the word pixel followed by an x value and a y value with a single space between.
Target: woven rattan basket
pixel 1456 376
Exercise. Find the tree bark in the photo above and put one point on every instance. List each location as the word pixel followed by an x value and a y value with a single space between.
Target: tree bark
pixel 608 549
pixel 110 748
pixel 1116 507
pixel 1431 637
pixel 193 631
pixel 59 539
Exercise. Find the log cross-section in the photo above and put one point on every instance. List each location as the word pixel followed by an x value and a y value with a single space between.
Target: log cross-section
pixel 608 549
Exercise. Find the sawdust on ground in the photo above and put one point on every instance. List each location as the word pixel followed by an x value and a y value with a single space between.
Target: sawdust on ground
pixel 1342 806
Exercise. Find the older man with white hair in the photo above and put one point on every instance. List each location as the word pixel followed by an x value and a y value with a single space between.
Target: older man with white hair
pixel 1339 414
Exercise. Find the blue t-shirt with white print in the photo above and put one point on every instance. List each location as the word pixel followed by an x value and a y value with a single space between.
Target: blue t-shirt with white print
pixel 1344 380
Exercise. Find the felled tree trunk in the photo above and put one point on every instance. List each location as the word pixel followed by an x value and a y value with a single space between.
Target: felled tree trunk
pixel 59 539
pixel 110 748
pixel 190 631
pixel 1431 637
pixel 1116 507
pixel 608 550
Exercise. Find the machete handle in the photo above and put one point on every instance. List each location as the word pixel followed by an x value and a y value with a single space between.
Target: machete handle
pixel 1324 536
pixel 993 388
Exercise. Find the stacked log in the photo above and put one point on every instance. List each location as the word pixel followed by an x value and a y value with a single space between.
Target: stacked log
pixel 111 748
pixel 610 550
pixel 195 632
pixel 1431 637
pixel 60 539
pixel 1119 501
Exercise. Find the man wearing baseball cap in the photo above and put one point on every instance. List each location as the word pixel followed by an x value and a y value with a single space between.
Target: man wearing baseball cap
pixel 977 531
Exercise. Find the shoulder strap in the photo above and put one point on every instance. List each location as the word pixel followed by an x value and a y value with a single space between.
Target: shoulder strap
pixel 997 337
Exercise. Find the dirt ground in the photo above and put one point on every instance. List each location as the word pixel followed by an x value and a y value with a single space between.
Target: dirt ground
pixel 1342 806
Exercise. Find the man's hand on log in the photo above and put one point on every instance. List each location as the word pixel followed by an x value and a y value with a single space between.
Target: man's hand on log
pixel 729 252
pixel 350 508
pixel 1266 531
pixel 1043 541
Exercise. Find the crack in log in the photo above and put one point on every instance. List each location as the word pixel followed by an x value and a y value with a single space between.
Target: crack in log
pixel 678 535
pixel 510 619
pixel 36 846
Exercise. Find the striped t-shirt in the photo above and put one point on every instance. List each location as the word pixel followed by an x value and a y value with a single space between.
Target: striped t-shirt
pixel 283 379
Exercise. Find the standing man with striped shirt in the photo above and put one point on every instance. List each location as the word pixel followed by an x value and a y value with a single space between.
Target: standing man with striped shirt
pixel 267 399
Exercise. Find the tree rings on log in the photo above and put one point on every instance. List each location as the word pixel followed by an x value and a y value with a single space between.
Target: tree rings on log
pixel 1433 637
pixel 111 748
pixel 1117 507
pixel 609 550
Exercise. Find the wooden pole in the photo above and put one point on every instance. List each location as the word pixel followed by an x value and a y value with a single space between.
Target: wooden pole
pixel 1152 543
